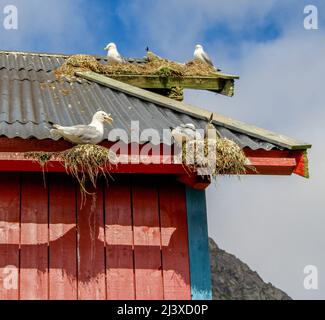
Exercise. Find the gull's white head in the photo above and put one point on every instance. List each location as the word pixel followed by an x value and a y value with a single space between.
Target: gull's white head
pixel 102 117
pixel 110 46
pixel 198 46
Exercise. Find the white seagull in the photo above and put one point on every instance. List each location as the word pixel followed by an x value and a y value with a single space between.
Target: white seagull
pixel 83 134
pixel 200 54
pixel 185 132
pixel 113 55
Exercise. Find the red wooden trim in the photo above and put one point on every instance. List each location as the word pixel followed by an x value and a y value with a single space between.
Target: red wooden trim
pixel 273 162
pixel 271 166
pixel 175 257
pixel 90 247
pixel 147 240
pixel 302 168
pixel 9 235
pixel 62 229
pixel 17 162
pixel 194 181
pixel 34 238
pixel 119 240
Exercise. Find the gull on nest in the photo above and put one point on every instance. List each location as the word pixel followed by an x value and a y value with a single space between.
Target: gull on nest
pixel 185 132
pixel 113 55
pixel 200 54
pixel 83 134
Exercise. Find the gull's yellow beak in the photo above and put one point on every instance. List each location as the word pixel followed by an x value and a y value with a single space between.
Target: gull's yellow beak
pixel 108 119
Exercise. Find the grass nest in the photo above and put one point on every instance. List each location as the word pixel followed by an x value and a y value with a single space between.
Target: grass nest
pixel 214 157
pixel 84 162
pixel 154 66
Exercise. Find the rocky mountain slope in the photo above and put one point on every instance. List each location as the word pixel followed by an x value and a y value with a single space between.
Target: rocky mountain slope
pixel 234 280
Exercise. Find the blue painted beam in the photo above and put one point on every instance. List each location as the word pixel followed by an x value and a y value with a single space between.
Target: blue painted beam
pixel 200 272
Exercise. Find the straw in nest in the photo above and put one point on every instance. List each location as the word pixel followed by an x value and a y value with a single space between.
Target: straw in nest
pixel 82 162
pixel 214 157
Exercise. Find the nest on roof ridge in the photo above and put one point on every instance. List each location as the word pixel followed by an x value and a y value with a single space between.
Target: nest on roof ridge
pixel 214 157
pixel 154 66
pixel 83 162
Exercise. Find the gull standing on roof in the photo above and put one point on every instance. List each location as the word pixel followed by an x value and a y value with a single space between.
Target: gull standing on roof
pixel 200 54
pixel 83 134
pixel 113 55
pixel 185 132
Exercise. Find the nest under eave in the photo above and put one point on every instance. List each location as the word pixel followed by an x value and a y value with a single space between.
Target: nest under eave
pixel 156 66
pixel 82 162
pixel 214 157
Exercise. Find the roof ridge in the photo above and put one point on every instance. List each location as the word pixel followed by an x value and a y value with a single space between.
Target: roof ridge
pixel 39 54
pixel 64 55
pixel 24 122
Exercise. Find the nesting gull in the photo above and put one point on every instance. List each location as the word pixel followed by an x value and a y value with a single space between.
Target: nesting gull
pixel 113 55
pixel 185 132
pixel 83 134
pixel 200 54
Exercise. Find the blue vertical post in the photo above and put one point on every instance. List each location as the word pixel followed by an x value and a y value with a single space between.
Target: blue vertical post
pixel 198 244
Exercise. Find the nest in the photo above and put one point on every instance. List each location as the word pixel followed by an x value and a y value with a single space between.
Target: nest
pixel 154 66
pixel 82 161
pixel 214 157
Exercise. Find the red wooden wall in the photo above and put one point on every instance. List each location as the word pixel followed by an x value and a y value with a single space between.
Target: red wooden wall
pixel 128 242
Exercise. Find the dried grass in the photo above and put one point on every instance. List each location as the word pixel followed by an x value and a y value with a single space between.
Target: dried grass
pixel 82 161
pixel 214 157
pixel 154 66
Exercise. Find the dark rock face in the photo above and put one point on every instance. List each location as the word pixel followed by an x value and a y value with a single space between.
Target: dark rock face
pixel 234 280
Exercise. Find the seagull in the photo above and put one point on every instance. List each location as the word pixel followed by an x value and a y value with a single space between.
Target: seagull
pixel 210 131
pixel 200 54
pixel 113 55
pixel 185 132
pixel 83 134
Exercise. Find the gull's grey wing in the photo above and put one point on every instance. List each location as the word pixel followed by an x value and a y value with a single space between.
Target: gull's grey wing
pixel 84 133
pixel 207 59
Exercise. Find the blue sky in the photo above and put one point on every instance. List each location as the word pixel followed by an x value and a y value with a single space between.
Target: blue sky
pixel 275 224
pixel 85 26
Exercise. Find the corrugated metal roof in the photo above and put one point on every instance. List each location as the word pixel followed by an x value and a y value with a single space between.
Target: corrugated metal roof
pixel 31 96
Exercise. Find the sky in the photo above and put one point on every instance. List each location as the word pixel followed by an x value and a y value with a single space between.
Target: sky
pixel 274 224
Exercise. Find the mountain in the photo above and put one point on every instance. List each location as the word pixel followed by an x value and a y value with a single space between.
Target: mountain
pixel 234 280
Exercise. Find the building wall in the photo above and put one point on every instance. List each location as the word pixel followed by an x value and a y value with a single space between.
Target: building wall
pixel 129 241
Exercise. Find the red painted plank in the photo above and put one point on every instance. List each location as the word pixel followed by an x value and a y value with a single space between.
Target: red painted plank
pixel 34 238
pixel 90 247
pixel 119 240
pixel 17 162
pixel 175 257
pixel 63 236
pixel 9 235
pixel 302 168
pixel 147 241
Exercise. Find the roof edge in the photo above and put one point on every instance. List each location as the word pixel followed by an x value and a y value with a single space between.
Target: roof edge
pixel 65 55
pixel 197 112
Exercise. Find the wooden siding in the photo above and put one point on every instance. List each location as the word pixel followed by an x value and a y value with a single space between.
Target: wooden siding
pixel 128 242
